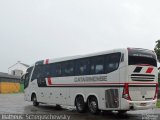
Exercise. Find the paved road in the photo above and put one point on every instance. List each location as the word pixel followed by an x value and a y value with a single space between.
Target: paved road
pixel 15 104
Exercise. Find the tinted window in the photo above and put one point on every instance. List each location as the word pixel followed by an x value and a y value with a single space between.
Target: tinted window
pixel 40 71
pixel 97 65
pixel 55 69
pixel 41 82
pixel 29 71
pixel 52 70
pixel 58 67
pixel 135 60
pixel 141 53
pixel 68 68
pixel 26 81
pixel 82 67
pixel 36 72
pixel 86 66
pixel 112 62
pixel 27 77
pixel 141 56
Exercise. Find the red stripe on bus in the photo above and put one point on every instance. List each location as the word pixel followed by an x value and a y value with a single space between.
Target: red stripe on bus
pixel 50 81
pixel 149 70
pixel 47 61
pixel 102 83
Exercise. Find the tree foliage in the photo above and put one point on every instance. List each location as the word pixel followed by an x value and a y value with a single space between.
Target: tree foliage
pixel 157 49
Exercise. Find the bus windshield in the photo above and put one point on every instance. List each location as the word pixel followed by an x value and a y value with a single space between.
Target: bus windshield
pixel 138 57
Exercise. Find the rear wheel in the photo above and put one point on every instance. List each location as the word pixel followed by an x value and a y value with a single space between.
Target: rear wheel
pixel 80 104
pixel 34 99
pixel 93 105
pixel 58 107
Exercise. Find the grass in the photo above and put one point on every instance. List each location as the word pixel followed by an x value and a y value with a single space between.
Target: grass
pixel 158 103
pixel 21 88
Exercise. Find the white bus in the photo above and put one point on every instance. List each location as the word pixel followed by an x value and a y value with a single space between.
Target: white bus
pixel 116 80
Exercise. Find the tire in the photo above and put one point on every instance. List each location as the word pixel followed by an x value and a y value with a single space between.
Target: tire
pixel 58 107
pixel 34 99
pixel 80 104
pixel 93 105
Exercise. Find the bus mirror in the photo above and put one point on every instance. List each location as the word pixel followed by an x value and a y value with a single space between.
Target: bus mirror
pixel 23 77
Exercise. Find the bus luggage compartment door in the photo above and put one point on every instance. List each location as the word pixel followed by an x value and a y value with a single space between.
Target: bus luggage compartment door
pixel 112 98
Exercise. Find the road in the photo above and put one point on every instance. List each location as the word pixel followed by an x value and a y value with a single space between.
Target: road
pixel 15 104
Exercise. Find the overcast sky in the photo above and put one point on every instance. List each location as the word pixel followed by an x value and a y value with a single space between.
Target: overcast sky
pixel 32 30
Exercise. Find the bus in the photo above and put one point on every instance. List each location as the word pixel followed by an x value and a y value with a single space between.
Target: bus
pixel 114 80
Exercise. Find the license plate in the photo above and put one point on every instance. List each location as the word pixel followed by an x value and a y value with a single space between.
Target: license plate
pixel 143 104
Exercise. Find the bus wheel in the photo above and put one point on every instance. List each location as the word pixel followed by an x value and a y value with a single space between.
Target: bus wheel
pixel 80 104
pixel 34 99
pixel 93 105
pixel 58 107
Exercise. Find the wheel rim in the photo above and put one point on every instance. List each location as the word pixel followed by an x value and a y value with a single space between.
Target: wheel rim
pixel 93 106
pixel 34 100
pixel 79 106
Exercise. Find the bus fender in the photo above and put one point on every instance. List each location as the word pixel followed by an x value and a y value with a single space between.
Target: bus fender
pixel 81 95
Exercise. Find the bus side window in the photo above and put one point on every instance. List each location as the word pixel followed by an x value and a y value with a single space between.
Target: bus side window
pixel 97 65
pixel 52 70
pixel 112 62
pixel 36 72
pixel 44 71
pixel 58 67
pixel 82 67
pixel 68 68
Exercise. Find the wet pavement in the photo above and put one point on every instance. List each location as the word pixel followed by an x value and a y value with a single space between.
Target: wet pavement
pixel 15 104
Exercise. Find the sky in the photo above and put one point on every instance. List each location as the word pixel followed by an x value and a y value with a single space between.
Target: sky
pixel 32 30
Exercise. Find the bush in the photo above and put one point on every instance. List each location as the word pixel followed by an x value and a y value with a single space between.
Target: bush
pixel 158 103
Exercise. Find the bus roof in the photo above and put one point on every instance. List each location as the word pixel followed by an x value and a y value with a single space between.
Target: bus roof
pixel 53 60
pixel 86 55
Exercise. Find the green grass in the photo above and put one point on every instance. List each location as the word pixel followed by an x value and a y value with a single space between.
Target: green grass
pixel 158 103
pixel 21 88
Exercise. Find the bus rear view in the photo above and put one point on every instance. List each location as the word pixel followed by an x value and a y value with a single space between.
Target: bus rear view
pixel 141 87
pixel 116 80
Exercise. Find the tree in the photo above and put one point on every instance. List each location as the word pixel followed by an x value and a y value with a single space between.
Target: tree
pixel 157 49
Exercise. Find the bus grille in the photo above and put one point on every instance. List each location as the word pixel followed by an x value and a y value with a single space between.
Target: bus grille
pixel 142 77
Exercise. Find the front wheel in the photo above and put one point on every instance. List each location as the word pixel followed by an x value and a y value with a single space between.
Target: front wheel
pixel 34 99
pixel 93 105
